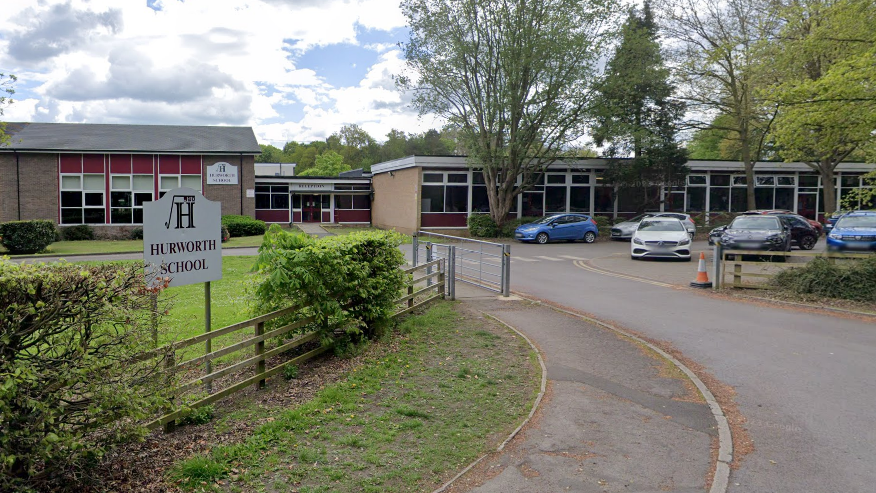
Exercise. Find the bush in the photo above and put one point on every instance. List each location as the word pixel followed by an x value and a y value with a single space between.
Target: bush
pixel 603 225
pixel 68 386
pixel 136 234
pixel 820 277
pixel 243 226
pixel 349 283
pixel 27 236
pixel 198 416
pixel 225 234
pixel 290 372
pixel 82 232
pixel 507 229
pixel 482 226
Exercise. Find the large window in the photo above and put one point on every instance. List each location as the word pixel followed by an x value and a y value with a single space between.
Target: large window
pixel 445 192
pixel 272 197
pixel 352 202
pixel 169 182
pixel 82 199
pixel 127 195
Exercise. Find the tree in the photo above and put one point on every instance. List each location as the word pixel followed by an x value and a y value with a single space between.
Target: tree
pixel 515 78
pixel 825 68
pixel 636 115
pixel 863 197
pixel 359 148
pixel 6 92
pixel 328 164
pixel 270 154
pixel 717 46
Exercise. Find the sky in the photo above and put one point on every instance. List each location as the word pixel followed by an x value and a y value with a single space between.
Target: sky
pixel 294 70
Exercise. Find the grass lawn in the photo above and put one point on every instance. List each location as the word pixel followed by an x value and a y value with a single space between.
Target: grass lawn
pixel 123 246
pixel 444 388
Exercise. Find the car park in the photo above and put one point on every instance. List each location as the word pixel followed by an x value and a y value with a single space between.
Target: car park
pixel 757 232
pixel 854 231
pixel 559 227
pixel 624 230
pixel 662 237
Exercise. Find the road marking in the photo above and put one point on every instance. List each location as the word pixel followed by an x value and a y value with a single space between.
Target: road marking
pixel 586 267
pixel 524 259
pixel 570 257
pixel 553 259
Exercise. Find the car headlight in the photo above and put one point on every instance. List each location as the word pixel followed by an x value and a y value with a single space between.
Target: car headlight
pixel 638 241
pixel 685 241
pixel 835 236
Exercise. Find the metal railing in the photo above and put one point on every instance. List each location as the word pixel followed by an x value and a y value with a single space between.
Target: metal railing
pixel 480 263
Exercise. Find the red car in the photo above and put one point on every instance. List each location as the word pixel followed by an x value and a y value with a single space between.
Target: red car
pixel 815 224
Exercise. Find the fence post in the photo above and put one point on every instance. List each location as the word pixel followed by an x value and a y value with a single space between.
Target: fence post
pixel 442 277
pixel 506 270
pixel 717 263
pixel 428 259
pixel 451 271
pixel 737 273
pixel 169 363
pixel 260 350
pixel 410 293
pixel 415 244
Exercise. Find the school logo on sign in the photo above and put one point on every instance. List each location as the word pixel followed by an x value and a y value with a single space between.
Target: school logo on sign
pixel 222 174
pixel 182 237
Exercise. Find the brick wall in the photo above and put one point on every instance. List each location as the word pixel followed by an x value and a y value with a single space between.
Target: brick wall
pixel 8 188
pixel 39 186
pixel 232 196
pixel 396 203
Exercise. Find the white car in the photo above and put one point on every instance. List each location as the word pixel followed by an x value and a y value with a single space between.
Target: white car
pixel 664 237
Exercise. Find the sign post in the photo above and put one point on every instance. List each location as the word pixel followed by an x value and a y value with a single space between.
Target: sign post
pixel 182 241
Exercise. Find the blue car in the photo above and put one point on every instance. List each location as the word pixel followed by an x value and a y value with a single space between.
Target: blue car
pixel 569 227
pixel 854 231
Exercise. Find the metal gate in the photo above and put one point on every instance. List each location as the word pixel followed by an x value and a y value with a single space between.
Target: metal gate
pixel 480 263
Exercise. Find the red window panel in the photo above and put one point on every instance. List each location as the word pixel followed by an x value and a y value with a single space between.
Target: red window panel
pixel 120 163
pixel 142 164
pixel 191 165
pixel 168 165
pixel 92 163
pixel 71 163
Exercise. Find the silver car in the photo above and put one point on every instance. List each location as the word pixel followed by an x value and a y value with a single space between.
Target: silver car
pixel 625 230
pixel 664 237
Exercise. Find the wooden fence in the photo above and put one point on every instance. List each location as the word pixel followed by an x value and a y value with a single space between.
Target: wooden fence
pixel 768 264
pixel 199 371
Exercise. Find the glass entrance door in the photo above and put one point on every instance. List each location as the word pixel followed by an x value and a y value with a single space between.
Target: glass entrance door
pixel 311 209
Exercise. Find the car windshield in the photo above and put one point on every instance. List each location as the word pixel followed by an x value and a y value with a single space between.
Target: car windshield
pixel 545 220
pixel 660 226
pixel 755 222
pixel 857 222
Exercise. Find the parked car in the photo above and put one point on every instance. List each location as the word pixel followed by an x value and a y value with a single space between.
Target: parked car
pixel 831 220
pixel 802 233
pixel 624 230
pixel 757 232
pixel 665 237
pixel 854 231
pixel 569 227
pixel 815 224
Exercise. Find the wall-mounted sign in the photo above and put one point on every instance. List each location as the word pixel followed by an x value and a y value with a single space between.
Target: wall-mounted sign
pixel 222 174
pixel 250 193
pixel 182 237
pixel 311 187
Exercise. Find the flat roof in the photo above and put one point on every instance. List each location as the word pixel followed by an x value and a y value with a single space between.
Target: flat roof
pixel 104 138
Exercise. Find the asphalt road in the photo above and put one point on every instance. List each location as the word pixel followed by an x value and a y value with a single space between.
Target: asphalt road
pixel 804 381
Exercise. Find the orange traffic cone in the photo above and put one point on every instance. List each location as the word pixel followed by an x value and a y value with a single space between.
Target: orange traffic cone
pixel 702 280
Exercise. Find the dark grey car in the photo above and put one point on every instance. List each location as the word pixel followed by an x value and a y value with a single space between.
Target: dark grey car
pixel 757 233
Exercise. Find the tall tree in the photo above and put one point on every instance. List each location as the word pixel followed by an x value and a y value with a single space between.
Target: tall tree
pixel 329 163
pixel 636 115
pixel 515 77
pixel 717 47
pixel 6 92
pixel 825 59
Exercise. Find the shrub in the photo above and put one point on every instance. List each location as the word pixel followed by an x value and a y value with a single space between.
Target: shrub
pixel 82 232
pixel 482 226
pixel 198 416
pixel 820 277
pixel 136 234
pixel 348 282
pixel 507 229
pixel 27 236
pixel 290 372
pixel 68 386
pixel 225 234
pixel 603 224
pixel 243 226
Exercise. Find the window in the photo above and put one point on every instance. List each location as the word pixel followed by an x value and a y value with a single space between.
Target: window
pixel 272 197
pixel 719 199
pixel 719 180
pixel 696 180
pixel 169 182
pixel 445 192
pixel 433 199
pixel 555 199
pixel 127 195
pixel 765 181
pixel 556 179
pixel 786 181
pixel 578 178
pixel 739 181
pixel 579 199
pixel 82 199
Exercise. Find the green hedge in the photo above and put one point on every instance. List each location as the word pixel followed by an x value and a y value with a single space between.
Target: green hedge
pixel 849 281
pixel 349 283
pixel 483 226
pixel 82 232
pixel 243 226
pixel 27 236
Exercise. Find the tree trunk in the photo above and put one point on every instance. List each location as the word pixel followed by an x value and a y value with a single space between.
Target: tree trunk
pixel 749 174
pixel 828 180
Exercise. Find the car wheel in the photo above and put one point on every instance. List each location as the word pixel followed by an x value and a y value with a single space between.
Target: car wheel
pixel 808 242
pixel 634 257
pixel 542 238
pixel 589 237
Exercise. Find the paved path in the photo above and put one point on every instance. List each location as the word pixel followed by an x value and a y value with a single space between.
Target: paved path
pixel 314 229
pixel 613 419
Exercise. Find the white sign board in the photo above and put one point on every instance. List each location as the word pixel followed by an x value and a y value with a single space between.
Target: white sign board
pixel 222 174
pixel 182 237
